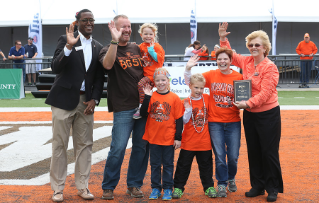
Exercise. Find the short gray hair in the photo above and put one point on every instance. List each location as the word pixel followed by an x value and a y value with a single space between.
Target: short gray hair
pixel 119 16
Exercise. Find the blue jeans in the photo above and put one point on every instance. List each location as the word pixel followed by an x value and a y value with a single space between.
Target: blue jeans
pixel 123 125
pixel 162 155
pixel 306 66
pixel 225 141
pixel 21 66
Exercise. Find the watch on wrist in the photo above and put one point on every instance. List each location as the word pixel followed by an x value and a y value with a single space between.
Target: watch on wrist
pixel 96 102
pixel 114 42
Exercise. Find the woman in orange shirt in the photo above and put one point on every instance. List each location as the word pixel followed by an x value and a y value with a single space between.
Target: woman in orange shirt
pixel 204 52
pixel 223 117
pixel 262 120
pixel 213 54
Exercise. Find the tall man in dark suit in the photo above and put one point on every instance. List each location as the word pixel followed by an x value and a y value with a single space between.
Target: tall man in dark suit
pixel 76 90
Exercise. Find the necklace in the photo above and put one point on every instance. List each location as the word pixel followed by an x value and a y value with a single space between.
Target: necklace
pixel 256 72
pixel 202 128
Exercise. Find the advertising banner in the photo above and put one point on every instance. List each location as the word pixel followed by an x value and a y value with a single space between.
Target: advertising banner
pixel 177 82
pixel 11 84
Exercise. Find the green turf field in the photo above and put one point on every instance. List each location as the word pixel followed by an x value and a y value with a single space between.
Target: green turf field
pixel 30 101
pixel 285 98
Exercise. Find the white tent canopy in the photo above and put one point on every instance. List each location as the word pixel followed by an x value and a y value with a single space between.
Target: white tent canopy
pixel 55 12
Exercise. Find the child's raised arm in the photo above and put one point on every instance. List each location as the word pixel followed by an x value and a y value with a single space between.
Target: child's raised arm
pixel 148 93
pixel 188 111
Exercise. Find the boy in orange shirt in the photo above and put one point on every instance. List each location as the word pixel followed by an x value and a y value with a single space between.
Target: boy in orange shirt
pixel 163 131
pixel 153 56
pixel 195 140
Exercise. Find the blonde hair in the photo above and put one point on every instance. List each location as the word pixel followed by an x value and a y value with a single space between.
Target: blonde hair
pixel 162 71
pixel 152 26
pixel 197 77
pixel 264 38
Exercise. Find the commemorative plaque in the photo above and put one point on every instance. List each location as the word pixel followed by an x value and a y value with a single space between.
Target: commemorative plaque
pixel 242 90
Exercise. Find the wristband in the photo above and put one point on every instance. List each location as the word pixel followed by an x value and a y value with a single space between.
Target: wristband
pixel 113 42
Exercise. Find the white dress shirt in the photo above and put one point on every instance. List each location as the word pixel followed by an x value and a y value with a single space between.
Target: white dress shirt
pixel 87 51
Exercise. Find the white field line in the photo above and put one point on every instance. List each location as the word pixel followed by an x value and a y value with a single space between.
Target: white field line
pixel 45 178
pixel 37 109
pixel 48 109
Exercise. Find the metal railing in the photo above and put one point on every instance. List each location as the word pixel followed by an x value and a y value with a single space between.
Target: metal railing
pixel 288 66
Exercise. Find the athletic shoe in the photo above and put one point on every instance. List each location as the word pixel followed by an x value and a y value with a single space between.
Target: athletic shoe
pixel 221 191
pixel 134 192
pixel 177 193
pixel 254 192
pixel 155 194
pixel 232 186
pixel 137 114
pixel 107 194
pixel 272 197
pixel 167 194
pixel 211 192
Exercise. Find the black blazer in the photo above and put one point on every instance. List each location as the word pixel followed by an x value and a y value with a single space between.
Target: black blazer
pixel 71 71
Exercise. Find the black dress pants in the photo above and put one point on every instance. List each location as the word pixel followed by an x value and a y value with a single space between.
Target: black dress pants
pixel 263 132
pixel 184 164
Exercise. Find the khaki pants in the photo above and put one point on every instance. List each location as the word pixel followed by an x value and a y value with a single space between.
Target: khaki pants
pixel 82 132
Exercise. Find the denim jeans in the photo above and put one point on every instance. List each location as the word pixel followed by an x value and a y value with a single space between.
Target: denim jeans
pixel 162 155
pixel 21 66
pixel 306 66
pixel 123 125
pixel 225 141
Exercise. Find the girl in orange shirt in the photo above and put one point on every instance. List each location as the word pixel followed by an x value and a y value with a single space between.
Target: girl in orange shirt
pixel 153 56
pixel 195 140
pixel 163 130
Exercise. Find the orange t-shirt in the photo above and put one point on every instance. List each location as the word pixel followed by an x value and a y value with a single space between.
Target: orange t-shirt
pixel 306 49
pixel 203 53
pixel 192 140
pixel 213 55
pixel 149 63
pixel 221 108
pixel 163 110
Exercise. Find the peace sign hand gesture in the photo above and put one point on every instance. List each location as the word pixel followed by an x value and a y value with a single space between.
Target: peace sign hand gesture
pixel 71 40
pixel 114 32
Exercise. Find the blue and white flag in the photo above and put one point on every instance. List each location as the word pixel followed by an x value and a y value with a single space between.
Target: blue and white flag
pixel 193 24
pixel 35 31
pixel 274 29
pixel 115 10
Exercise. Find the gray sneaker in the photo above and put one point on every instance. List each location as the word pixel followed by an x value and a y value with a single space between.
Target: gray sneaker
pixel 232 186
pixel 221 191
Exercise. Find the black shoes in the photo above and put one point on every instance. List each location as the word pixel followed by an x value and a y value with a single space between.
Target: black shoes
pixel 303 86
pixel 272 197
pixel 254 192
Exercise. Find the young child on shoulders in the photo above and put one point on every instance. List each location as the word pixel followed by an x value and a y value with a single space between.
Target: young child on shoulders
pixel 195 140
pixel 163 130
pixel 153 56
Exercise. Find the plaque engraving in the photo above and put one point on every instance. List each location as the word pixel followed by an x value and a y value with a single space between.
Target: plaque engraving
pixel 242 90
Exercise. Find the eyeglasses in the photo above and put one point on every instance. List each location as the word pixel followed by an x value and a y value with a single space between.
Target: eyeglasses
pixel 85 20
pixel 252 45
pixel 19 44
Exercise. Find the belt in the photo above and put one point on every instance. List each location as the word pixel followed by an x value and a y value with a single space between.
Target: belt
pixel 82 92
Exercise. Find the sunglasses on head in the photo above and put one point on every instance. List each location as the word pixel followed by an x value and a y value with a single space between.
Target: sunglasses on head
pixel 252 45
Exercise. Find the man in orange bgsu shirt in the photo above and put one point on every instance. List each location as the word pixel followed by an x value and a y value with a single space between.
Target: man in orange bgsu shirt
pixel 306 49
